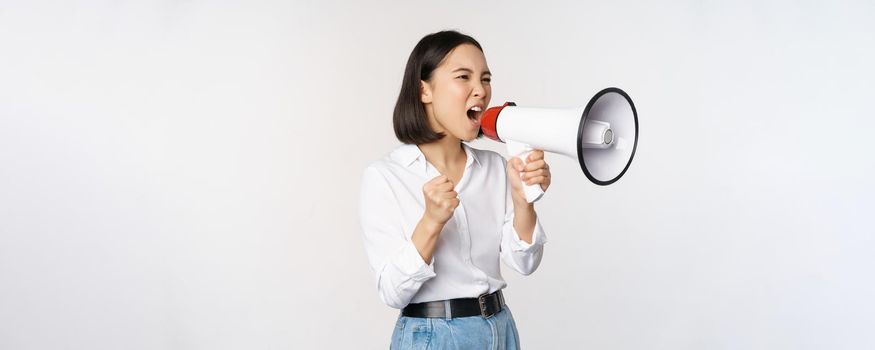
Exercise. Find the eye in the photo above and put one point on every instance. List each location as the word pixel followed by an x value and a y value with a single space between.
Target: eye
pixel 488 79
pixel 465 76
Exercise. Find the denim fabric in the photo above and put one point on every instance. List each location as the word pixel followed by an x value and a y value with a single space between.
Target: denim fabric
pixel 495 333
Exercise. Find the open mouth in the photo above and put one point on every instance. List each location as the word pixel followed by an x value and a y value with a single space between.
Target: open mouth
pixel 474 113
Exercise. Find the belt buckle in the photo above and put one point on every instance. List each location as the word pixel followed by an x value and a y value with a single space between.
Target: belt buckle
pixel 482 301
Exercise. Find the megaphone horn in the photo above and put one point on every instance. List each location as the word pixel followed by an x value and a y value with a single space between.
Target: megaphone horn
pixel 602 136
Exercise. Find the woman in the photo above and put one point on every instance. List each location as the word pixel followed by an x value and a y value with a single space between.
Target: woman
pixel 438 215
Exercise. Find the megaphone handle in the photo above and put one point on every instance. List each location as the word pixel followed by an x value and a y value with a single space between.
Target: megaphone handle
pixel 522 151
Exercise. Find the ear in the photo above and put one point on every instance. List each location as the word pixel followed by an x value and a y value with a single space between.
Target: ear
pixel 424 91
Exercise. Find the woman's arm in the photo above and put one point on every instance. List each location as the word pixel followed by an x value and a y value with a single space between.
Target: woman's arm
pixel 397 264
pixel 425 237
pixel 523 238
pixel 524 218
pixel 536 171
pixel 440 202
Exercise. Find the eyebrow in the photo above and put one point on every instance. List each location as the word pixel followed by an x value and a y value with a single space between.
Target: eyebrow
pixel 470 71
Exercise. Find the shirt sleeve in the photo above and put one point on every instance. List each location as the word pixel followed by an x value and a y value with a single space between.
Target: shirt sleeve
pixel 516 253
pixel 394 260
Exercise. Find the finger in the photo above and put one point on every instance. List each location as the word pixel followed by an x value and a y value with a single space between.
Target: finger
pixel 432 186
pixel 535 165
pixel 449 194
pixel 530 174
pixel 444 187
pixel 515 163
pixel 439 179
pixel 536 155
pixel 433 183
pixel 536 180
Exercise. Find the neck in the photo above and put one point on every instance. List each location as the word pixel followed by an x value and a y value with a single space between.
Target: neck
pixel 443 152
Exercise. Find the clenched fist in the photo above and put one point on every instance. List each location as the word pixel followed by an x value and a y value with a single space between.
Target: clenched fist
pixel 440 199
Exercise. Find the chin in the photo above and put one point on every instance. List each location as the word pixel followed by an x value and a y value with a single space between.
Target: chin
pixel 469 137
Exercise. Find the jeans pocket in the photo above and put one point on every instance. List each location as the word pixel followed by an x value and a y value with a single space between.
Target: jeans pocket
pixel 416 334
pixel 399 325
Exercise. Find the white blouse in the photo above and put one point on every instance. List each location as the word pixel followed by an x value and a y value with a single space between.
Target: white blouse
pixel 465 262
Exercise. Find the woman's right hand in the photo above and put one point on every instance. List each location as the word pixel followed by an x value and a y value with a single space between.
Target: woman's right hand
pixel 440 199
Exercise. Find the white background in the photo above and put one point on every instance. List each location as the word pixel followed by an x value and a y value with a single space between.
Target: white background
pixel 185 174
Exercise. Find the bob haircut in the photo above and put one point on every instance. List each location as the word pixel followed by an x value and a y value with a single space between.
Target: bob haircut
pixel 409 118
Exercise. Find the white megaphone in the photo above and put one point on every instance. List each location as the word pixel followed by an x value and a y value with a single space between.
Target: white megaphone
pixel 602 136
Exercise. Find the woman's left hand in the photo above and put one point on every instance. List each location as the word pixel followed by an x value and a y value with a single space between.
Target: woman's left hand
pixel 536 171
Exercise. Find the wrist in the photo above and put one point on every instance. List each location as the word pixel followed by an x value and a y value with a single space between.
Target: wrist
pixel 519 200
pixel 523 204
pixel 430 225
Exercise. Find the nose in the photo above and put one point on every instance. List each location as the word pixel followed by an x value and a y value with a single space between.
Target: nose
pixel 479 90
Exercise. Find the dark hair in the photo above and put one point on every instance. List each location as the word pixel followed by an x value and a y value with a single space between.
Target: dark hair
pixel 409 118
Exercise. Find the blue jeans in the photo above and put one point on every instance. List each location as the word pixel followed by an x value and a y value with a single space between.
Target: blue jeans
pixel 495 333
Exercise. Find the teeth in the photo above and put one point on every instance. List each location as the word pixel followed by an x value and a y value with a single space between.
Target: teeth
pixel 476 109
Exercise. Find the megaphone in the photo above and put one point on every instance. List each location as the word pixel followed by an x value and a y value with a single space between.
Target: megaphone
pixel 602 136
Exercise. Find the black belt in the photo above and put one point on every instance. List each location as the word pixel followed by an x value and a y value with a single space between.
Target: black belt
pixel 485 305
